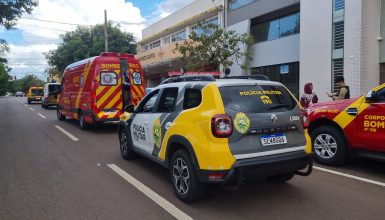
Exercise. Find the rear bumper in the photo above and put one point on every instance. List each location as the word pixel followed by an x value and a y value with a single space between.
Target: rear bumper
pixel 262 167
pixel 96 119
pixel 38 99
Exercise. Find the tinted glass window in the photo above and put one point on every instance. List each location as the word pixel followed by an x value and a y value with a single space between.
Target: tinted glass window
pixel 53 89
pixel 277 28
pixel 289 25
pixel 257 99
pixel 192 98
pixel 380 97
pixel 148 103
pixel 168 100
pixel 37 92
pixel 234 4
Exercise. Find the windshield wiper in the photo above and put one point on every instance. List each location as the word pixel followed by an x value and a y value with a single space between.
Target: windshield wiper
pixel 279 106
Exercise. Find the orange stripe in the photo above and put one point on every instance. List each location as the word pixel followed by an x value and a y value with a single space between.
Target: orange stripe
pixel 117 103
pixel 102 93
pixel 109 99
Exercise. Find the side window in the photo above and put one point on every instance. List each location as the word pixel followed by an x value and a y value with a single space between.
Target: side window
pixel 148 104
pixel 380 97
pixel 192 98
pixel 168 100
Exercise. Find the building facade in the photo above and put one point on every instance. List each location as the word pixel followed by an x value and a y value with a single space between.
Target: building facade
pixel 296 41
pixel 157 48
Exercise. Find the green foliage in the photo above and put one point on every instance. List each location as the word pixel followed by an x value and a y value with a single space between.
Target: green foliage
pixel 86 42
pixel 25 83
pixel 11 10
pixel 4 79
pixel 210 45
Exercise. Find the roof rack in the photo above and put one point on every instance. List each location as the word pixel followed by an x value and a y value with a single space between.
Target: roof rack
pixel 189 78
pixel 254 76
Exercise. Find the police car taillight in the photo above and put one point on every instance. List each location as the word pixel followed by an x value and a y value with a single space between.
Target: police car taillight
pixel 304 119
pixel 222 125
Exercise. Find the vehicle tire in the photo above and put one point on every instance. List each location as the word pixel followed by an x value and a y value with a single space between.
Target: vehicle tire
pixel 281 178
pixel 60 115
pixel 29 101
pixel 329 145
pixel 186 185
pixel 83 124
pixel 125 146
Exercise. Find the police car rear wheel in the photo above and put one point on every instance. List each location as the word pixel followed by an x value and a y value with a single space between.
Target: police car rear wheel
pixel 125 147
pixel 185 183
pixel 329 145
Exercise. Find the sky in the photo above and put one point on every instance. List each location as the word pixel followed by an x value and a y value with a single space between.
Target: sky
pixel 40 31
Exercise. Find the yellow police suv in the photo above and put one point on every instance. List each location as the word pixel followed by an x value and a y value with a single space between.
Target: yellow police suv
pixel 207 130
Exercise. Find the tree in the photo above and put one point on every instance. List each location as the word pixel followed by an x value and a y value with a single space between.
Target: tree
pixel 25 83
pixel 210 45
pixel 11 10
pixel 86 42
pixel 4 78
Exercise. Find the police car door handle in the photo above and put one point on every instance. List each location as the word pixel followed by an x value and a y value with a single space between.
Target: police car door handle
pixel 167 125
pixel 352 111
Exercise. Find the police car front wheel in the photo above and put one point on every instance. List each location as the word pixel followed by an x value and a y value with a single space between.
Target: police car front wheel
pixel 125 147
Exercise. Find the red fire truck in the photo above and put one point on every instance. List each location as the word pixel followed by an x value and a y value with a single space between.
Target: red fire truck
pixel 96 89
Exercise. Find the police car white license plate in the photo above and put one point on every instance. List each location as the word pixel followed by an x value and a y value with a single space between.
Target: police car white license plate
pixel 273 139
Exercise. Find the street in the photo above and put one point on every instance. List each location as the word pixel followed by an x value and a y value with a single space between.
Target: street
pixel 51 169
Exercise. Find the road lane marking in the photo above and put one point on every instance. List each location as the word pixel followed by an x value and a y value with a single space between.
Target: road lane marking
pixel 66 133
pixel 162 202
pixel 350 176
pixel 26 105
pixel 41 115
pixel 31 109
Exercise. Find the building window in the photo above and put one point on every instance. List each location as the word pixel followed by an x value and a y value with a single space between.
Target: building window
pixel 339 5
pixel 338 35
pixel 178 36
pixel 235 4
pixel 199 31
pixel 277 28
pixel 287 74
pixel 166 40
pixel 154 44
pixel 338 70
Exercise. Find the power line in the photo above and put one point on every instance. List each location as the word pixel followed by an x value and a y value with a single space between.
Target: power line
pixel 56 22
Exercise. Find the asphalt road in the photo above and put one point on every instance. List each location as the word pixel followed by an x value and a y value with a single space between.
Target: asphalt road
pixel 44 174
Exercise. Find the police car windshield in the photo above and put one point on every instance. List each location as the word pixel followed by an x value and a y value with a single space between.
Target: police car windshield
pixel 257 99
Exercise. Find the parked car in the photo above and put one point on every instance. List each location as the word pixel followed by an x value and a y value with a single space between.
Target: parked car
pixel 51 91
pixel 35 94
pixel 218 131
pixel 92 89
pixel 352 127
pixel 19 94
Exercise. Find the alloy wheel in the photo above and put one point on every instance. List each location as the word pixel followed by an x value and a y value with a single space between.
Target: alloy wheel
pixel 181 176
pixel 325 146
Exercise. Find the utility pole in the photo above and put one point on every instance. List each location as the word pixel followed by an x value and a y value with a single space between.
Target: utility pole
pixel 105 32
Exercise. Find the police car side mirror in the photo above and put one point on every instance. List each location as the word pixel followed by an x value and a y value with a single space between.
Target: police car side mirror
pixel 370 97
pixel 129 108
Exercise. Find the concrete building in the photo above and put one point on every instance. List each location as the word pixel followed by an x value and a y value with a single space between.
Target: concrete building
pixel 314 41
pixel 295 41
pixel 156 49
